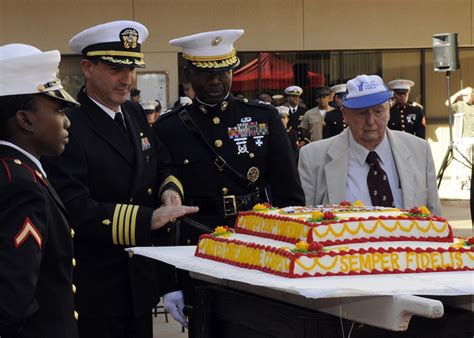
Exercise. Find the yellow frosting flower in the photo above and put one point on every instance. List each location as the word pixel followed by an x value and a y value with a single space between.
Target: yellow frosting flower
pixel 259 207
pixel 220 230
pixel 424 210
pixel 358 203
pixel 302 246
pixel 317 215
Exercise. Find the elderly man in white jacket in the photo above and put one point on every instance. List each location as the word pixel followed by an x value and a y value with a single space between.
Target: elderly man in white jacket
pixel 338 168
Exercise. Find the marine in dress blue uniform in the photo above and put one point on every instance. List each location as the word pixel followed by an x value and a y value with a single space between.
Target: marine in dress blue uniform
pixel 405 115
pixel 250 138
pixel 36 255
pixel 229 154
pixel 111 178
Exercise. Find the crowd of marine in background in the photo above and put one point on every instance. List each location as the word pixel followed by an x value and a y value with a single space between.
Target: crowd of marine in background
pixel 305 125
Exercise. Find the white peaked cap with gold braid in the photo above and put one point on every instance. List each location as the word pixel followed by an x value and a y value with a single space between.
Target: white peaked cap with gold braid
pixel 213 51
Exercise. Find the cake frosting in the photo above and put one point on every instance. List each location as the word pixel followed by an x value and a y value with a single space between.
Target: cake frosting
pixel 346 239
pixel 351 224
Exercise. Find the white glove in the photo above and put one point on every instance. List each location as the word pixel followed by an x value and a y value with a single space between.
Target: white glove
pixel 173 302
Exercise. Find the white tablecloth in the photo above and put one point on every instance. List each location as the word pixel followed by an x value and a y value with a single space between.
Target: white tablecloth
pixel 439 283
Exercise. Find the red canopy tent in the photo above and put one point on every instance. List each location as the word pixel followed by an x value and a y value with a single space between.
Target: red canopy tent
pixel 274 73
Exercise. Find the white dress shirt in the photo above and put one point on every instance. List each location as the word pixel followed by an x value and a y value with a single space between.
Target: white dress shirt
pixel 356 188
pixel 109 111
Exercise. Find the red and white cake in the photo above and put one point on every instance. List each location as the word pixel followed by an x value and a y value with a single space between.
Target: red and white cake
pixel 347 239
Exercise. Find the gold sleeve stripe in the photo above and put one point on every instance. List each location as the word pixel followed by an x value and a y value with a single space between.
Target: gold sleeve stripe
pixel 133 225
pixel 121 223
pixel 127 224
pixel 124 223
pixel 171 179
pixel 114 223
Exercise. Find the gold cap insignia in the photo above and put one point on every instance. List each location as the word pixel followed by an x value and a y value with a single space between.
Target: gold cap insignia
pixel 203 109
pixel 129 36
pixel 224 105
pixel 217 40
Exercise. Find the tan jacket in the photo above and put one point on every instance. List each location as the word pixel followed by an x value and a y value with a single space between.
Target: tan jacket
pixel 312 123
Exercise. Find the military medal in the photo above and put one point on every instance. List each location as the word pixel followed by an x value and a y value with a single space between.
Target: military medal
pixel 145 144
pixel 247 129
pixel 258 141
pixel 253 174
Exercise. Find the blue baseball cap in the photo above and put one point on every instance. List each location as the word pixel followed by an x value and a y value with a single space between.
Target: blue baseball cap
pixel 366 91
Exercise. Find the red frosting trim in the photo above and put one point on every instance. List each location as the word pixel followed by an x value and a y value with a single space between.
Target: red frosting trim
pixel 336 253
pixel 348 241
pixel 342 220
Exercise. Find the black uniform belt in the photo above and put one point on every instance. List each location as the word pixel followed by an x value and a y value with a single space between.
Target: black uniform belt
pixel 228 205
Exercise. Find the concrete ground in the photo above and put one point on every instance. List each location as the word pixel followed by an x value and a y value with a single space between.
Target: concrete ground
pixel 455 208
pixel 170 329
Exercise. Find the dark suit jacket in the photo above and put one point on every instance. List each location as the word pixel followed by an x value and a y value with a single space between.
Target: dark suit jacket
pixel 111 183
pixel 409 118
pixel 36 298
pixel 334 123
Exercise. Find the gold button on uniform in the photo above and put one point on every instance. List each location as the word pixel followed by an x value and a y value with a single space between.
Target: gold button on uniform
pixel 76 315
pixel 186 161
pixel 188 241
pixel 149 191
pixel 106 222
pixel 74 289
pixel 73 262
pixel 218 143
pixel 216 120
pixel 17 161
pixel 251 155
pixel 72 233
pixel 224 191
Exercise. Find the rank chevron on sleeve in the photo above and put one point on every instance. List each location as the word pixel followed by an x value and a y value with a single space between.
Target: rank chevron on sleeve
pixel 28 229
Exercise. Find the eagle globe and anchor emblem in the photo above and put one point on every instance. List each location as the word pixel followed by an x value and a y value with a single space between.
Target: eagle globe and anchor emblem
pixel 253 174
